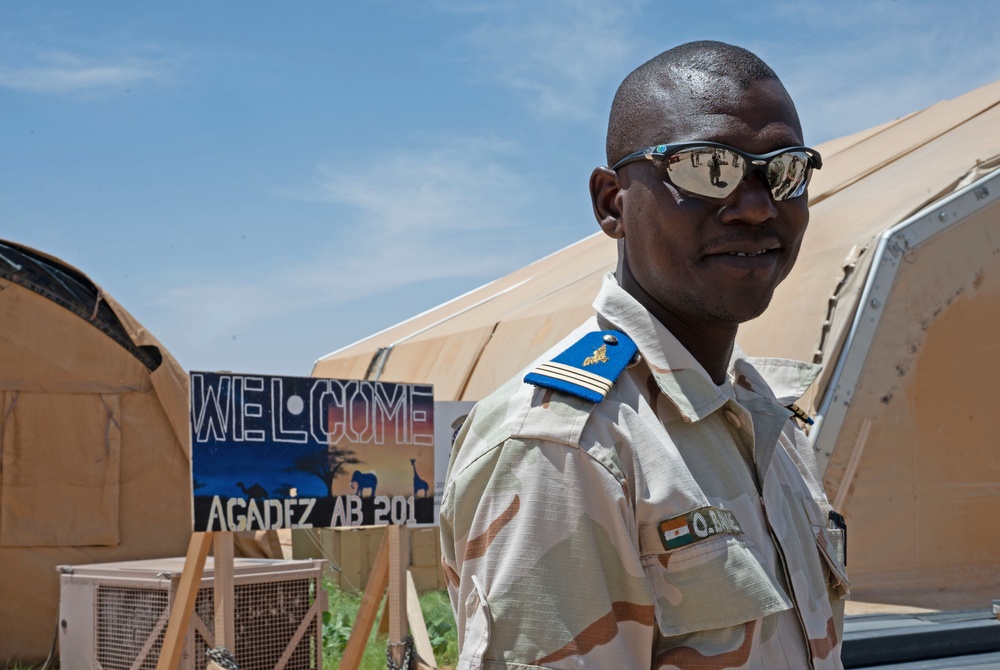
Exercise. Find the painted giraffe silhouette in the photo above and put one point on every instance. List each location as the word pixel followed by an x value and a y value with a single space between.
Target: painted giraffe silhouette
pixel 418 483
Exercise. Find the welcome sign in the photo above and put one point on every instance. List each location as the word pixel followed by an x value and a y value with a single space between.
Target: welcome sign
pixel 273 452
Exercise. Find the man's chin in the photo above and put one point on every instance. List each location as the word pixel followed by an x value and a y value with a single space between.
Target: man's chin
pixel 740 313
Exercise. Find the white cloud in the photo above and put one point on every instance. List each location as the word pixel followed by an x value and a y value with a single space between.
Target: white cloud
pixel 851 65
pixel 408 216
pixel 555 54
pixel 60 72
pixel 880 60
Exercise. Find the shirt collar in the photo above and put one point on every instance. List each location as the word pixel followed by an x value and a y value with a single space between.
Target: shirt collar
pixel 681 377
pixel 779 379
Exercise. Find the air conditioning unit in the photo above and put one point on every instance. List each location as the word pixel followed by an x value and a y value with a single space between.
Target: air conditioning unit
pixel 114 615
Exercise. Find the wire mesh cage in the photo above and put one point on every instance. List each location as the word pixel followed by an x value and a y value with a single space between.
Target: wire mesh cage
pixel 115 616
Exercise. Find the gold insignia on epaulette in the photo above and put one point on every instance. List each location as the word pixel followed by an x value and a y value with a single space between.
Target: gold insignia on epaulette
pixel 600 356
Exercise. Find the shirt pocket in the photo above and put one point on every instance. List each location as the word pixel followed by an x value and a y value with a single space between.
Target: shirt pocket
pixel 831 543
pixel 713 583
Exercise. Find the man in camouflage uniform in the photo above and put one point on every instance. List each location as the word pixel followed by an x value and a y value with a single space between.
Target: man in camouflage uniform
pixel 643 497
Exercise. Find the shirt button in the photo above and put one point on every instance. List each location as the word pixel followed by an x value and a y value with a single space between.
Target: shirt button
pixel 733 419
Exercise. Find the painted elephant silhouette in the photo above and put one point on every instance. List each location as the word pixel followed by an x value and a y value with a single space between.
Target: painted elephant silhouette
pixel 364 480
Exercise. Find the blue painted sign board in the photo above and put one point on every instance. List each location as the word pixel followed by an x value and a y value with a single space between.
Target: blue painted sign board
pixel 273 452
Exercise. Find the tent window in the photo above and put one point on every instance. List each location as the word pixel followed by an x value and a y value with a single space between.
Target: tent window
pixel 61 456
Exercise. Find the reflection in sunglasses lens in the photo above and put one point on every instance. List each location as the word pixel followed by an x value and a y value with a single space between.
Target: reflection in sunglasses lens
pixel 716 172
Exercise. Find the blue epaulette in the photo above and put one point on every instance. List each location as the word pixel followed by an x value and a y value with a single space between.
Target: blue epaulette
pixel 589 368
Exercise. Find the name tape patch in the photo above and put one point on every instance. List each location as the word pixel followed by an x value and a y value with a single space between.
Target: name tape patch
pixel 699 524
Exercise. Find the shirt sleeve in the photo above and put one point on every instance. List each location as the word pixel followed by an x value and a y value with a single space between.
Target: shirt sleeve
pixel 540 550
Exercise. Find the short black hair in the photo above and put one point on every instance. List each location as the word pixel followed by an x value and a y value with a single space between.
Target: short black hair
pixel 650 80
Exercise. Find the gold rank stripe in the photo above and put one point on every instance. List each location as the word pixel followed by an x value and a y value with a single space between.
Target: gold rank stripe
pixel 568 373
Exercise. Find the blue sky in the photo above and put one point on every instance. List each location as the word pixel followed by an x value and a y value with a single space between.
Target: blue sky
pixel 263 183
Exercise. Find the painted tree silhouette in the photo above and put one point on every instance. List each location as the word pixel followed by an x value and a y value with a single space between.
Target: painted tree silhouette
pixel 327 465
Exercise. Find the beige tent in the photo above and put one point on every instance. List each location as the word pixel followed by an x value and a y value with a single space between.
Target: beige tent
pixel 95 464
pixel 896 292
pixel 94 458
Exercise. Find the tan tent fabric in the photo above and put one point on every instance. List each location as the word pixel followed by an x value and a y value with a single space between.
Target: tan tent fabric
pixel 419 357
pixel 36 356
pixel 930 152
pixel 93 468
pixel 542 284
pixel 170 381
pixel 915 466
pixel 870 182
pixel 95 462
pixel 76 503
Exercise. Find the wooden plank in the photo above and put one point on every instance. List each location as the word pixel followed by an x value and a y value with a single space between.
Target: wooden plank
pixel 399 560
pixel 428 577
pixel 202 631
pixel 418 627
pixel 187 592
pixel 383 620
pixel 351 559
pixel 222 553
pixel 311 616
pixel 378 580
pixel 857 449
pixel 426 547
pixel 371 540
pixel 150 641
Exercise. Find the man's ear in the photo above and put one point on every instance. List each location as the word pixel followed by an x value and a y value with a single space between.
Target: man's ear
pixel 605 195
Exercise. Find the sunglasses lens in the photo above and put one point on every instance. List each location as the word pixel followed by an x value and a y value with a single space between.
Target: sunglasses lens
pixel 715 172
pixel 788 175
pixel 709 171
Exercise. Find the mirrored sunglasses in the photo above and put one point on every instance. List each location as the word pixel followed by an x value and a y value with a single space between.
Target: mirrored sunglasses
pixel 715 170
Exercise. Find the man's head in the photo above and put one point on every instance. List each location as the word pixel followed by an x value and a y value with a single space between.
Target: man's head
pixel 710 254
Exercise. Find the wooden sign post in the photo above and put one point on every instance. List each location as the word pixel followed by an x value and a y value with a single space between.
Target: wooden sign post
pixel 187 593
pixel 391 572
pixel 183 608
pixel 225 595
pixel 399 549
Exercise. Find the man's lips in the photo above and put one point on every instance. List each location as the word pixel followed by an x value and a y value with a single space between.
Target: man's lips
pixel 745 255
pixel 743 243
pixel 744 249
pixel 748 254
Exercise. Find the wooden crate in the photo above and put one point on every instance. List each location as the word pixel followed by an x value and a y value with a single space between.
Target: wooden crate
pixel 350 552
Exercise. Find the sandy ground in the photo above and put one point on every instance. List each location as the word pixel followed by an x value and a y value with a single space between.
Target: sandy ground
pixel 853 607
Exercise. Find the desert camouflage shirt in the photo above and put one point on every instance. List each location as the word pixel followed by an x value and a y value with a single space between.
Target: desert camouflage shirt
pixel 675 524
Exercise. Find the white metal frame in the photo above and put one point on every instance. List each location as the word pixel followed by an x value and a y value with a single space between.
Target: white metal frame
pixel 893 245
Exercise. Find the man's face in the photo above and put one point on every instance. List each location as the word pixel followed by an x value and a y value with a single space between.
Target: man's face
pixel 713 261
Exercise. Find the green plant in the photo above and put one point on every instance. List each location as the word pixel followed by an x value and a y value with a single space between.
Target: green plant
pixel 343 609
pixel 336 631
pixel 440 633
pixel 440 626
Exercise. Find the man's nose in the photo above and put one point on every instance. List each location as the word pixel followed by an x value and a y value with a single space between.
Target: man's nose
pixel 750 203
